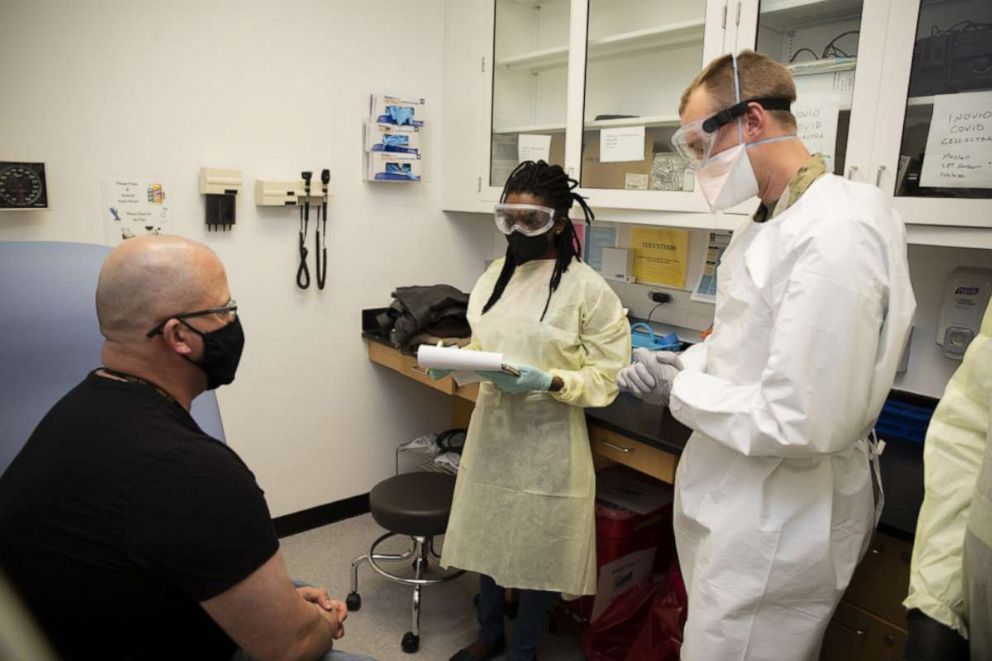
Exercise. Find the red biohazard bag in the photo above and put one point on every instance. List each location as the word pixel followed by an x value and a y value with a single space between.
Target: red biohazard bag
pixel 643 624
pixel 660 638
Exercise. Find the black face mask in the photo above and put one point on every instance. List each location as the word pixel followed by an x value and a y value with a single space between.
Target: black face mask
pixel 221 352
pixel 526 248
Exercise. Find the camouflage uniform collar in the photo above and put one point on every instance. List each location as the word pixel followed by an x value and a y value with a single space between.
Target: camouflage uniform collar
pixel 811 170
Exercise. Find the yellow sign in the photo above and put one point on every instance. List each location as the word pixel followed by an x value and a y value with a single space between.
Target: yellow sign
pixel 660 255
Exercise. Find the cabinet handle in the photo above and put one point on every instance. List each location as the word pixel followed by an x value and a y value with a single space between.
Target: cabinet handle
pixel 617 447
pixel 738 19
pixel 851 170
pixel 878 176
pixel 723 24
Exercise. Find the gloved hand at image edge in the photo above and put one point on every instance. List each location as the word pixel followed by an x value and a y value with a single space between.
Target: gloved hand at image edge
pixel 650 376
pixel 437 375
pixel 530 379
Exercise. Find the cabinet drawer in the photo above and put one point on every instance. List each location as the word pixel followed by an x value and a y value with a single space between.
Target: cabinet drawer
pixel 881 581
pixel 407 366
pixel 623 450
pixel 856 635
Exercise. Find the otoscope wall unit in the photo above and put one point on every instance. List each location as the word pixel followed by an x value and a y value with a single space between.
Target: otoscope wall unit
pixel 288 193
pixel 303 193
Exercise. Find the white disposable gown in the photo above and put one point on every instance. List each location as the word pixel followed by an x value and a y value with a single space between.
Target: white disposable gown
pixel 523 510
pixel 774 504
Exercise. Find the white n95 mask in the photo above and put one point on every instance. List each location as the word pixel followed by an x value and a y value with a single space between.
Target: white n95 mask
pixel 727 178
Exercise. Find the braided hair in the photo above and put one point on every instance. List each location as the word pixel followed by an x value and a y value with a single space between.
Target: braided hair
pixel 556 189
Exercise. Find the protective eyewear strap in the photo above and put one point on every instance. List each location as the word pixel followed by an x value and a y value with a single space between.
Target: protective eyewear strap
pixel 737 99
pixel 727 115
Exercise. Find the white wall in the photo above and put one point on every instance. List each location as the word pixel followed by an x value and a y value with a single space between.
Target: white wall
pixel 144 88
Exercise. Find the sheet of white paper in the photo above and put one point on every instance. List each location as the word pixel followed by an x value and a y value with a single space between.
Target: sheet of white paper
pixel 452 358
pixel 534 147
pixel 621 144
pixel 816 125
pixel 959 146
pixel 504 158
pixel 618 576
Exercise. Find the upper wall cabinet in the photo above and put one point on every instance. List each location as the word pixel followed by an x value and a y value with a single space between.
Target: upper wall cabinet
pixel 933 146
pixel 887 91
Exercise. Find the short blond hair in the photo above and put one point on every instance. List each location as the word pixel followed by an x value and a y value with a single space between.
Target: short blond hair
pixel 760 76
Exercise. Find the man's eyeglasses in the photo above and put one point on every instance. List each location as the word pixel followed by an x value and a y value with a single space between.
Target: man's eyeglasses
pixel 229 312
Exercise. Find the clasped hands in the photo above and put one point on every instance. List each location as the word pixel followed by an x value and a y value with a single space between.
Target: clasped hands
pixel 650 376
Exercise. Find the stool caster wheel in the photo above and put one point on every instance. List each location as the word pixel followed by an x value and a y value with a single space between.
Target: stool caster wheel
pixel 410 642
pixel 353 601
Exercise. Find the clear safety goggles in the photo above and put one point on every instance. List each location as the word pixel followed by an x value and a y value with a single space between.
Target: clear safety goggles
pixel 527 219
pixel 694 141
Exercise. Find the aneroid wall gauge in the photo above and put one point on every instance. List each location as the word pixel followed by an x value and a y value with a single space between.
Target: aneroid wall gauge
pixel 23 186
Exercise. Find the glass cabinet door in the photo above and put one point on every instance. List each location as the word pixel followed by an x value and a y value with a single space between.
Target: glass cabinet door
pixel 530 75
pixel 817 40
pixel 946 144
pixel 641 54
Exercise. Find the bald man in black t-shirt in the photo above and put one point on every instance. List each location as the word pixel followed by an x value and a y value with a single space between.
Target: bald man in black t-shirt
pixel 128 531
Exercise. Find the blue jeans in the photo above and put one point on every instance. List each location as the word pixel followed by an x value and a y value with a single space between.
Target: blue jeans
pixel 531 618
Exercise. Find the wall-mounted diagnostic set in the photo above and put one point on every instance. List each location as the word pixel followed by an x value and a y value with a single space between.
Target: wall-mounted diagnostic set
pixel 302 193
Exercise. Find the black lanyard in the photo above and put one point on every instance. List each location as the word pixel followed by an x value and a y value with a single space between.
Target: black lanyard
pixel 130 378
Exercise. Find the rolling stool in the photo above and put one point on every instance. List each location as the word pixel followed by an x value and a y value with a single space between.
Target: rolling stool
pixel 416 505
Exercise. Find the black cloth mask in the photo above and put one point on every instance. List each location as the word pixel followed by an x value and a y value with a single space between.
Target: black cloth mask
pixel 527 248
pixel 221 353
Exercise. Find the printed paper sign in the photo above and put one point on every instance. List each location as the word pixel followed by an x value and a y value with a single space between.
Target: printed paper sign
pixel 660 255
pixel 618 576
pixel 816 125
pixel 598 238
pixel 534 147
pixel 621 144
pixel 705 290
pixel 959 146
pixel 134 207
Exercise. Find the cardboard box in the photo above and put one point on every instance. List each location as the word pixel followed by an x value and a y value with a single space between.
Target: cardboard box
pixel 611 175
